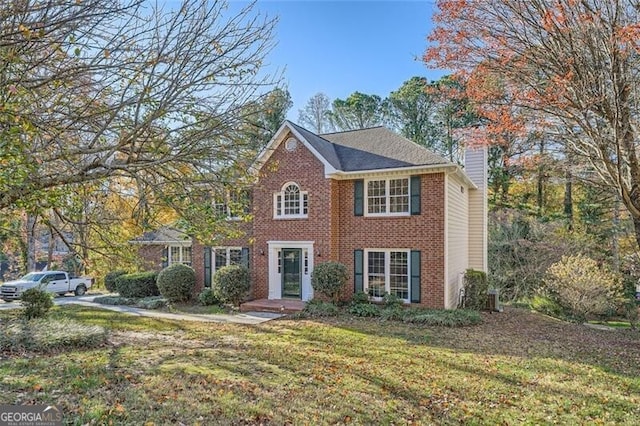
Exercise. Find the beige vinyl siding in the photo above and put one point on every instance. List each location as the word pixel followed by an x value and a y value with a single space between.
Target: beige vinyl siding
pixel 457 238
pixel 476 169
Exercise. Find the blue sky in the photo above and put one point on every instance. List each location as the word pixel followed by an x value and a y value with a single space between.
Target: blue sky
pixel 339 47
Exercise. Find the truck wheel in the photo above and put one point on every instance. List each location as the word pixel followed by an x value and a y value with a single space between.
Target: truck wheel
pixel 80 290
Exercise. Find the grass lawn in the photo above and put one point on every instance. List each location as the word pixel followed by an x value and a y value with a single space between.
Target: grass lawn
pixel 515 368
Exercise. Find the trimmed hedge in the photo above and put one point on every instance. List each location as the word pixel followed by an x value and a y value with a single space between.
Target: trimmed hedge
pixel 141 284
pixel 110 280
pixel 329 278
pixel 231 284
pixel 176 282
pixel 475 290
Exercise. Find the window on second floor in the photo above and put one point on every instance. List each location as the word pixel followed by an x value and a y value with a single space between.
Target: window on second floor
pixel 232 205
pixel 387 196
pixel 290 202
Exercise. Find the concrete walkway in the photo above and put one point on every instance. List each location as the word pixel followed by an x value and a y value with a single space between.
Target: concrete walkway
pixel 249 318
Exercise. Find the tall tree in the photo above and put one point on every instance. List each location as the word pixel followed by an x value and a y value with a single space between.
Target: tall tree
pixel 94 90
pixel 358 111
pixel 266 116
pixel 412 109
pixel 568 67
pixel 315 114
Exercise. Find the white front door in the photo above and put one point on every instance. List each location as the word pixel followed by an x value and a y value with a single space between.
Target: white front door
pixel 290 267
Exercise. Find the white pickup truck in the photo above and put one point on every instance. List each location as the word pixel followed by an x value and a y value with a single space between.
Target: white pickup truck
pixel 58 282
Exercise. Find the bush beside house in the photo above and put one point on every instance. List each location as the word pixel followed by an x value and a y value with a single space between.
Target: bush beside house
pixel 231 284
pixel 141 284
pixel 110 280
pixel 329 279
pixel 176 282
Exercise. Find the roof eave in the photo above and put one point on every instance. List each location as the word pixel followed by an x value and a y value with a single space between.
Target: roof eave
pixel 151 243
pixel 419 169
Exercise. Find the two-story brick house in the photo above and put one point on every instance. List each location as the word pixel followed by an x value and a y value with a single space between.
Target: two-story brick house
pixel 403 219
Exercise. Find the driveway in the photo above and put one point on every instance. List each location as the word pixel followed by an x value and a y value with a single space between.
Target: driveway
pixel 249 318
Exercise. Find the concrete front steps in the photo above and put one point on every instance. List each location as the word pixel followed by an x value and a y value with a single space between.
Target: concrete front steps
pixel 281 306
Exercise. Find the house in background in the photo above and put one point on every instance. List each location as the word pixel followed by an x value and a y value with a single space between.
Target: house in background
pixel 163 247
pixel 404 220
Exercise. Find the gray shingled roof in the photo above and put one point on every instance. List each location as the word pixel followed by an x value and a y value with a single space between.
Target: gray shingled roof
pixel 161 236
pixel 369 149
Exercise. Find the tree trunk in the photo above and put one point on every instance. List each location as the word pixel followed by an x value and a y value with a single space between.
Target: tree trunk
pixel 541 179
pixel 568 199
pixel 52 244
pixel 31 242
pixel 615 245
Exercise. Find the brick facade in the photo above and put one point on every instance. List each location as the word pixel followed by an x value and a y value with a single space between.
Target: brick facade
pixel 303 168
pixel 331 224
pixel 151 256
pixel 424 232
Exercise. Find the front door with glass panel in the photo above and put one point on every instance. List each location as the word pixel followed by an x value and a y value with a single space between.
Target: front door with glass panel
pixel 291 273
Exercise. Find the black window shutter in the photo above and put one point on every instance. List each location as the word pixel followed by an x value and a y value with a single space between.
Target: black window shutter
pixel 414 187
pixel 358 266
pixel 245 257
pixel 207 266
pixel 415 276
pixel 165 257
pixel 358 197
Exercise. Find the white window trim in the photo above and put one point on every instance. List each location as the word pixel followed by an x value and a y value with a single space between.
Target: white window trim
pixel 227 252
pixel 228 214
pixel 281 204
pixel 387 181
pixel 387 271
pixel 171 261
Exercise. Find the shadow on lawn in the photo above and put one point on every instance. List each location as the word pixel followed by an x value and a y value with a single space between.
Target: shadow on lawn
pixel 515 332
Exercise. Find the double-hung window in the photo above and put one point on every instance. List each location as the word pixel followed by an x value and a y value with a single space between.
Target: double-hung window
pixel 232 204
pixel 225 256
pixel 179 254
pixel 387 196
pixel 387 271
pixel 291 202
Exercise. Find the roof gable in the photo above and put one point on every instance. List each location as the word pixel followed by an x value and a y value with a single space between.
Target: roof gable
pixel 376 148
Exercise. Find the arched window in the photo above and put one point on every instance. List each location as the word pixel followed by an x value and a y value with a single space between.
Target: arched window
pixel 290 202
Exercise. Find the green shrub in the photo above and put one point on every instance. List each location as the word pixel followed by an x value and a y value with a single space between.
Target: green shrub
pixel 231 284
pixel 176 282
pixel 48 334
pixel 329 278
pixel 207 298
pixel 443 317
pixel 475 290
pixel 141 284
pixel 392 301
pixel 548 306
pixel 36 303
pixel 580 286
pixel 359 297
pixel 364 310
pixel 110 280
pixel 115 300
pixel 154 302
pixel 319 308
